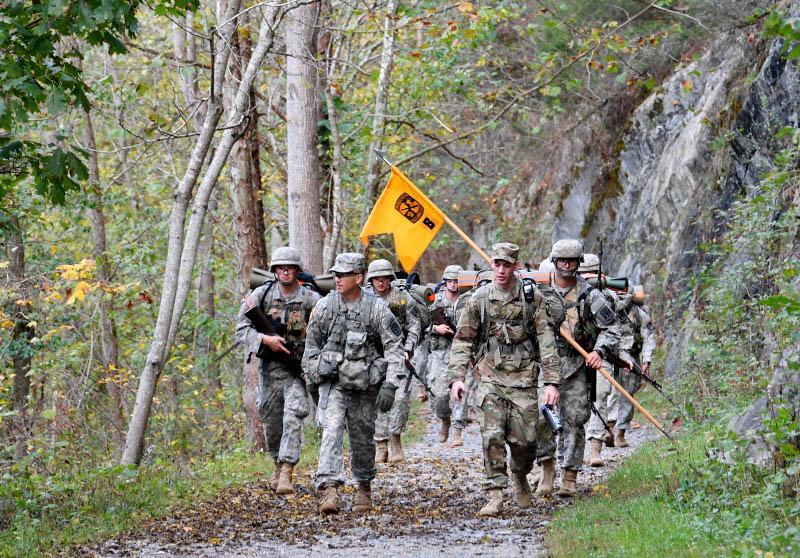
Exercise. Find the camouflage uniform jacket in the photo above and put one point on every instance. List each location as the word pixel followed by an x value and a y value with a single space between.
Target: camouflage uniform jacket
pixel 593 323
pixel 408 314
pixel 293 311
pixel 443 342
pixel 496 328
pixel 359 338
pixel 644 335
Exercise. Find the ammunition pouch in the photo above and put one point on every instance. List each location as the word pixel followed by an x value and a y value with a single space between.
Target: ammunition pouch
pixel 354 371
pixel 327 367
pixel 377 371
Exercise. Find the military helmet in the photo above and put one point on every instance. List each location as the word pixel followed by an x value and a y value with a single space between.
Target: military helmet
pixel 591 263
pixel 285 255
pixel 451 272
pixel 380 268
pixel 568 249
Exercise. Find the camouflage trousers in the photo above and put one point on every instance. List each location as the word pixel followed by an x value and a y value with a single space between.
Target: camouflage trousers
pixel 461 409
pixel 282 406
pixel 356 412
pixel 393 422
pixel 574 410
pixel 622 409
pixel 438 362
pixel 603 403
pixel 420 362
pixel 505 422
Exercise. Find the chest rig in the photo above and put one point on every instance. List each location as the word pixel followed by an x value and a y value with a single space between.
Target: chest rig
pixel 506 330
pixel 288 317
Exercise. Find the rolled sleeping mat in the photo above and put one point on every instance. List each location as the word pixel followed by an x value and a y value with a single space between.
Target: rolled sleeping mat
pixel 260 276
pixel 469 279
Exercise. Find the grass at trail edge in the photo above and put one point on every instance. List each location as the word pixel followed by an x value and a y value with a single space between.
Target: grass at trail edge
pixel 103 503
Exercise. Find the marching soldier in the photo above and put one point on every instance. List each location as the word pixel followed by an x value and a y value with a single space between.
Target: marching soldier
pixel 380 275
pixel 591 320
pixel 441 338
pixel 282 398
pixel 505 326
pixel 354 354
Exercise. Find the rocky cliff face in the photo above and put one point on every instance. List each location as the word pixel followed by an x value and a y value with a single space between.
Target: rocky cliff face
pixel 690 149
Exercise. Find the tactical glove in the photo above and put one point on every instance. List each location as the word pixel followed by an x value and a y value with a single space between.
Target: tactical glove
pixel 386 397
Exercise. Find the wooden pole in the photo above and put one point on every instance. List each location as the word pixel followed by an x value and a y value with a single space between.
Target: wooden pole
pixel 467 239
pixel 565 334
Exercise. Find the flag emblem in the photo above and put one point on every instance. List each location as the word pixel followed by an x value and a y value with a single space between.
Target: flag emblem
pixel 409 208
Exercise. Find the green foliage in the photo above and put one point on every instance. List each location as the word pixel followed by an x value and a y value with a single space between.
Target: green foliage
pixel 42 44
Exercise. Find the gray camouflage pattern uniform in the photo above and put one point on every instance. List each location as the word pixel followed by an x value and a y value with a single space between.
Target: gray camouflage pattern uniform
pixel 597 330
pixel 495 328
pixel 461 408
pixel 351 337
pixel 440 358
pixel 642 343
pixel 282 397
pixel 408 314
pixel 603 391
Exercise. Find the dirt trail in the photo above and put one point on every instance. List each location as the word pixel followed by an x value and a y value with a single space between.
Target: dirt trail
pixel 424 507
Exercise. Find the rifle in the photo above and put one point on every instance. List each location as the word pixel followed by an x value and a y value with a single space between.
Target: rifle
pixel 414 374
pixel 438 318
pixel 264 325
pixel 613 359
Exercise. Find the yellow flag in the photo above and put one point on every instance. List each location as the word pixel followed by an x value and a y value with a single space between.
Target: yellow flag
pixel 406 212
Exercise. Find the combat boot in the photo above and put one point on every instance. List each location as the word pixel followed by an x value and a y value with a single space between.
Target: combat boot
pixel 396 450
pixel 619 439
pixel 381 451
pixel 285 480
pixel 609 439
pixel 330 501
pixel 522 490
pixel 363 500
pixel 444 432
pixel 568 481
pixel 494 506
pixel 545 487
pixel 457 440
pixel 276 473
pixel 594 457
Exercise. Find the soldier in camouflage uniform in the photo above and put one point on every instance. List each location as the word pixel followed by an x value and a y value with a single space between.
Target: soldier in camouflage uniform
pixel 354 355
pixel 596 430
pixel 441 337
pixel 643 343
pixel 380 275
pixel 592 322
pixel 282 396
pixel 507 325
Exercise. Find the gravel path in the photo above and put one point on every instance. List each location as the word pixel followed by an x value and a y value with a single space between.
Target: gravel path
pixel 424 507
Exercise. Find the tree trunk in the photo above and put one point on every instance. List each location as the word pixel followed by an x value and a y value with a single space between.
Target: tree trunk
pixel 205 303
pixel 134 441
pixel 303 116
pixel 379 118
pixel 20 336
pixel 248 224
pixel 109 346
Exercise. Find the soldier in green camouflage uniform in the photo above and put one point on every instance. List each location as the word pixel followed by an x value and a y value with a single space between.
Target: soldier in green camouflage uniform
pixel 643 343
pixel 592 322
pixel 505 326
pixel 380 276
pixel 354 355
pixel 282 397
pixel 443 311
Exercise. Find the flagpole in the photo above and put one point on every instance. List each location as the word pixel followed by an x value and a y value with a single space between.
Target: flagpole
pixel 462 234
pixel 467 239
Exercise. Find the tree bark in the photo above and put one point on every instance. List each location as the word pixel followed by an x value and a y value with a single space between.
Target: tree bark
pixel 248 224
pixel 303 116
pixel 109 346
pixel 379 118
pixel 205 302
pixel 20 337
pixel 134 440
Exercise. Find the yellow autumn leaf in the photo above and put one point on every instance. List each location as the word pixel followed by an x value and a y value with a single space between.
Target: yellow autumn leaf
pixel 465 7
pixel 79 292
pixel 75 272
pixel 4 264
pixel 52 249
